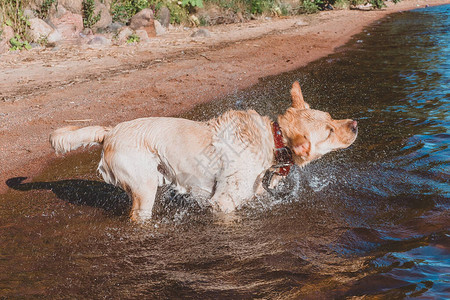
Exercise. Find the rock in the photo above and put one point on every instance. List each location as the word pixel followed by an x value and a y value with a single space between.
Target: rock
pixel 114 27
pixel 366 6
pixel 54 37
pixel 105 16
pixel 58 12
pixel 194 21
pixel 29 13
pixel 36 46
pixel 108 3
pixel 39 29
pixel 143 36
pixel 144 20
pixel 214 15
pixel 87 32
pixel 240 17
pixel 163 16
pixel 69 25
pixel 123 35
pixel 99 40
pixel 159 29
pixel 5 36
pixel 201 33
pixel 301 23
pixel 73 6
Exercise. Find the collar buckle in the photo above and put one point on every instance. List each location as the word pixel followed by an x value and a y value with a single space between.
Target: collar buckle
pixel 283 159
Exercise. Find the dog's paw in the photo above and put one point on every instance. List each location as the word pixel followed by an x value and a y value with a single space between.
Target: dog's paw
pixel 141 216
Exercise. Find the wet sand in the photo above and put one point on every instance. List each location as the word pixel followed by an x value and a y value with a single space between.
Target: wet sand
pixel 43 90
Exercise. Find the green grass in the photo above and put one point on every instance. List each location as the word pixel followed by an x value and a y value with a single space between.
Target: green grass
pixel 11 14
pixel 133 39
pixel 89 17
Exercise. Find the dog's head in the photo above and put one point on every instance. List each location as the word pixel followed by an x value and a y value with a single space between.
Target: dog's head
pixel 311 133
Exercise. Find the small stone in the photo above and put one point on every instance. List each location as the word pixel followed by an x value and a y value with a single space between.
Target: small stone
pixel 301 23
pixel 123 35
pixel 99 40
pixel 201 33
pixel 163 17
pixel 114 27
pixel 240 16
pixel 143 36
pixel 35 45
pixel 87 32
pixel 160 30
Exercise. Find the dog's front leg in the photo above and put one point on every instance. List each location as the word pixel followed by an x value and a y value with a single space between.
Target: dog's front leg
pixel 222 202
pixel 231 192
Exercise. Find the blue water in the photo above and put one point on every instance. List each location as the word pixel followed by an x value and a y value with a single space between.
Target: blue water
pixel 372 220
pixel 394 183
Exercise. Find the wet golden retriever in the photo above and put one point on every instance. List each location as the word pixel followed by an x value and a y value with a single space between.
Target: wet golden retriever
pixel 222 160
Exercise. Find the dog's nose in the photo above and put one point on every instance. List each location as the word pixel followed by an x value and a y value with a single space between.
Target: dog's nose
pixel 354 126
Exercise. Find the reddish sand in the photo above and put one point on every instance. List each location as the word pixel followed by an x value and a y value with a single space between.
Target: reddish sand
pixel 42 90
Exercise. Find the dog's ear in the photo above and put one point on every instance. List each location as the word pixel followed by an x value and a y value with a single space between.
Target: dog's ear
pixel 301 146
pixel 297 97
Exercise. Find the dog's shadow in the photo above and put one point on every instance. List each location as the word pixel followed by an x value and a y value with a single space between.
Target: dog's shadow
pixel 81 192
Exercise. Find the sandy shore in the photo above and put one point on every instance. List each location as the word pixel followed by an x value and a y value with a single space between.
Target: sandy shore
pixel 42 90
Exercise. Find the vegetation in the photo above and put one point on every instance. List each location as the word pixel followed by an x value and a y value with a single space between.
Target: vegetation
pixel 133 39
pixel 123 10
pixel 11 14
pixel 377 3
pixel 192 3
pixel 310 7
pixel 17 43
pixel 44 10
pixel 89 17
pixel 178 13
pixel 42 41
pixel 12 11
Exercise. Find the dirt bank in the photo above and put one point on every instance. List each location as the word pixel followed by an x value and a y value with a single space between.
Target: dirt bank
pixel 42 90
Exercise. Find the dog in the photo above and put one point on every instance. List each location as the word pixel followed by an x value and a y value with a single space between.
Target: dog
pixel 224 160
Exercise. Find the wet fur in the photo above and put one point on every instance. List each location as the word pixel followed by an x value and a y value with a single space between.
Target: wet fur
pixel 220 161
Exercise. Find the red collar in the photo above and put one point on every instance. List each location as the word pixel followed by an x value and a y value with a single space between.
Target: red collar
pixel 283 155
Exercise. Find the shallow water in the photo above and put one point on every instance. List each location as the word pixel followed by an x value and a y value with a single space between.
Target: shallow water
pixel 370 220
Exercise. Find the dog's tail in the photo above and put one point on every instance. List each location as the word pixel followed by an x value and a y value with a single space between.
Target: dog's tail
pixel 69 138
